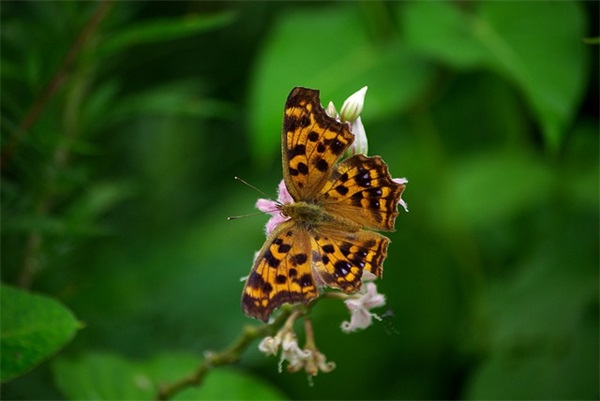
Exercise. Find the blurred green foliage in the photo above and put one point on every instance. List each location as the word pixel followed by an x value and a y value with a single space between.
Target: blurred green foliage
pixel 123 124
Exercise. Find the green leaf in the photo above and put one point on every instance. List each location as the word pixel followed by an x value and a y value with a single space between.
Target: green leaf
pixel 33 328
pixel 567 371
pixel 174 99
pixel 98 198
pixel 232 384
pixel 164 30
pixel 517 40
pixel 544 327
pixel 110 377
pixel 489 188
pixel 442 31
pixel 338 62
pixel 222 383
pixel 102 377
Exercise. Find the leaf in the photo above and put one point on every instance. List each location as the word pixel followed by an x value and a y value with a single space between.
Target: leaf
pixel 33 328
pixel 442 31
pixel 111 377
pixel 516 39
pixel 163 30
pixel 569 371
pixel 334 59
pixel 97 199
pixel 491 187
pixel 544 340
pixel 222 383
pixel 232 384
pixel 99 376
pixel 174 99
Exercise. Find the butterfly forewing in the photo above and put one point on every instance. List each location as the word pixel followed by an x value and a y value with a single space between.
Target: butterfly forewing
pixel 312 142
pixel 281 272
pixel 361 189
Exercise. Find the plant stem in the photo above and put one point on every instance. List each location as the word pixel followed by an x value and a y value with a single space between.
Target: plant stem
pixel 57 79
pixel 79 83
pixel 228 356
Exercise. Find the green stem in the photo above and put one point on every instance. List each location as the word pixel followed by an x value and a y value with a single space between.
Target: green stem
pixel 77 88
pixel 57 79
pixel 228 356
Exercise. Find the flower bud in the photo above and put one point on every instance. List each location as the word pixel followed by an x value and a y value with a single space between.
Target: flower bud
pixel 360 144
pixel 353 106
pixel 331 111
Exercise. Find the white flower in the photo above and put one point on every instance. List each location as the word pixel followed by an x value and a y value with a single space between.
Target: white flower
pixel 360 144
pixel 270 345
pixel 331 111
pixel 401 181
pixel 350 114
pixel 361 317
pixel 353 106
pixel 291 352
pixel 318 363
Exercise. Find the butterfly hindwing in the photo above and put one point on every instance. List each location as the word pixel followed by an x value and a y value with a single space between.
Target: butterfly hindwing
pixel 311 143
pixel 341 257
pixel 281 273
pixel 361 189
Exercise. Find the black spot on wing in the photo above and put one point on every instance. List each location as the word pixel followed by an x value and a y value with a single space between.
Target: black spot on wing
pixel 342 267
pixel 299 259
pixel 341 189
pixel 302 168
pixel 328 248
pixel 313 136
pixel 284 248
pixel 304 121
pixel 299 149
pixel 345 249
pixel 270 259
pixel 336 147
pixel 321 164
pixel 363 179
pixel 306 280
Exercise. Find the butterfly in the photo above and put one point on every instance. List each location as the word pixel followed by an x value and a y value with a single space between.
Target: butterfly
pixel 326 240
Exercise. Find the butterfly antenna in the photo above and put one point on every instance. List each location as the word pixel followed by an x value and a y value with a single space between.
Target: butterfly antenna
pixel 244 215
pixel 252 186
pixel 256 189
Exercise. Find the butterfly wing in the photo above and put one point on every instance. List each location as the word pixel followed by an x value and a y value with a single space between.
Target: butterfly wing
pixel 361 189
pixel 281 272
pixel 311 143
pixel 340 257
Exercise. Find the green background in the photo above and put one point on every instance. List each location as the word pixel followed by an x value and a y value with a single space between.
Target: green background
pixel 124 123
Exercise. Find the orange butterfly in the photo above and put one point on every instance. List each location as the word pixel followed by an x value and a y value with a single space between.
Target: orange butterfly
pixel 324 241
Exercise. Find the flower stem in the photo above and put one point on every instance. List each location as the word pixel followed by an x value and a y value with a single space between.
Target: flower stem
pixel 228 356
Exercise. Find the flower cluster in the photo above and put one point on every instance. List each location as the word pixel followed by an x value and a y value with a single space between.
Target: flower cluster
pixel 310 358
pixel 360 305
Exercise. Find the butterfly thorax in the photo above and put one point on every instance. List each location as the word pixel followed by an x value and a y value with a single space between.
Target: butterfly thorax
pixel 312 215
